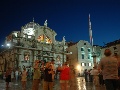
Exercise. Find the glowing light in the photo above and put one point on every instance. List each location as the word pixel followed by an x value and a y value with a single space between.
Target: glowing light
pixel 90 64
pixel 78 67
pixel 83 64
pixel 8 44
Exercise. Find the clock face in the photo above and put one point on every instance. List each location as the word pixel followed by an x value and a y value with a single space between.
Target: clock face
pixel 29 31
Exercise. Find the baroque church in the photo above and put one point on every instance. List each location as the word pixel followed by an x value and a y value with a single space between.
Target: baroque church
pixel 32 42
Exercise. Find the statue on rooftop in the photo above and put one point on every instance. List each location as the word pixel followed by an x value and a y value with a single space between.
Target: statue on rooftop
pixel 45 24
pixel 64 40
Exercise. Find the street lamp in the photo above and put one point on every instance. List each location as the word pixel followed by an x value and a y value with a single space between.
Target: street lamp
pixel 8 45
pixel 78 69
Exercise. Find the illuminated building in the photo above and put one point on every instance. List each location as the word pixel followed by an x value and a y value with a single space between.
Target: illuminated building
pixel 32 42
pixel 81 56
pixel 113 46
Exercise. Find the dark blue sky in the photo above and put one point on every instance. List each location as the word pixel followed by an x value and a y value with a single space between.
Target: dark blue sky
pixel 67 18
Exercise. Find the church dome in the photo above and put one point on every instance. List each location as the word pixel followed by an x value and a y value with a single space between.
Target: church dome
pixel 31 25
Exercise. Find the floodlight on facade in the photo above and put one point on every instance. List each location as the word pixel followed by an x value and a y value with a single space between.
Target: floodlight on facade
pixel 78 67
pixel 8 44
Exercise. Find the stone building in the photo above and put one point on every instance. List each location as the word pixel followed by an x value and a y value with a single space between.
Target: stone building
pixel 32 42
pixel 113 46
pixel 82 55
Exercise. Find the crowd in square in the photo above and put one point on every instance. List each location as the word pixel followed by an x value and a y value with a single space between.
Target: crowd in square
pixel 44 73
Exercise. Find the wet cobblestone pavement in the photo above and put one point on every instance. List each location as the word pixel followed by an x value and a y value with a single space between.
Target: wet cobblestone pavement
pixel 79 85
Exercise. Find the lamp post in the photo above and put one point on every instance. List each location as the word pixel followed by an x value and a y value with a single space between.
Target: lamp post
pixel 94 59
pixel 94 55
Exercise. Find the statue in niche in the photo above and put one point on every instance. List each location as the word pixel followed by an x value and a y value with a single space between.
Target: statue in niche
pixel 58 58
pixel 26 56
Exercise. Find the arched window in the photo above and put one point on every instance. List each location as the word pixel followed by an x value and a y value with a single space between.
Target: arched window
pixel 83 56
pixel 40 38
pixel 82 49
pixel 43 38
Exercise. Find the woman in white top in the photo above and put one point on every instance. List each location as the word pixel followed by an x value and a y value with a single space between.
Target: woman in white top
pixel 95 76
pixel 12 75
pixel 24 79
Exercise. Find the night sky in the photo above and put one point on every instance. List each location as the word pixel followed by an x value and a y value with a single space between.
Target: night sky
pixel 67 18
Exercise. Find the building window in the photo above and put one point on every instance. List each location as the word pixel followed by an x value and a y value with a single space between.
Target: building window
pixel 82 64
pixel 88 56
pixel 43 38
pixel 89 64
pixel 82 56
pixel 82 49
pixel 88 49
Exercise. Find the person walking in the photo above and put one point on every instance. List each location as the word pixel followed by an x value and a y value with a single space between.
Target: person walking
pixel 86 75
pixel 53 68
pixel 64 76
pixel 91 75
pixel 24 79
pixel 8 76
pixel 28 72
pixel 95 76
pixel 101 81
pixel 36 76
pixel 119 76
pixel 72 81
pixel 48 80
pixel 118 58
pixel 12 75
pixel 16 74
pixel 109 67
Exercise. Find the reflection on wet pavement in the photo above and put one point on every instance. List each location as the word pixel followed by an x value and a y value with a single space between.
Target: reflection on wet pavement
pixel 79 84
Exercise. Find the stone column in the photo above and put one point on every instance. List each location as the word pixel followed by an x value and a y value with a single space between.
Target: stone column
pixel 94 60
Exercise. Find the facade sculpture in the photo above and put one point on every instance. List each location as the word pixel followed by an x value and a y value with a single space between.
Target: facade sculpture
pixel 33 42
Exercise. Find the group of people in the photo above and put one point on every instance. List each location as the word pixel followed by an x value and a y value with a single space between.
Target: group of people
pixel 110 69
pixel 107 72
pixel 46 74
pixel 67 76
pixel 94 75
pixel 10 76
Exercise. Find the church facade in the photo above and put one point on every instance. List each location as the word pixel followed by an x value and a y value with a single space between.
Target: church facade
pixel 32 42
